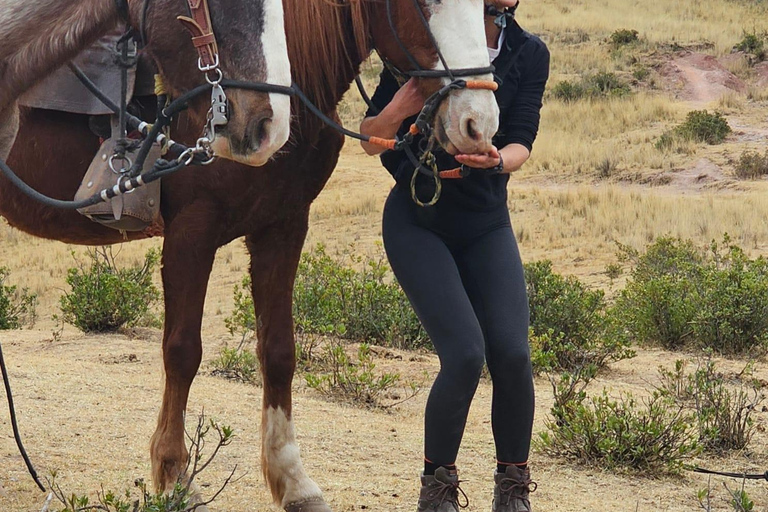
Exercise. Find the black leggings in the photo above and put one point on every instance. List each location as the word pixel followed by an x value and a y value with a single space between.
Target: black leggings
pixel 463 275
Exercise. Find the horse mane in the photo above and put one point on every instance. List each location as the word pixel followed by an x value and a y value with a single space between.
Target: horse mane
pixel 327 41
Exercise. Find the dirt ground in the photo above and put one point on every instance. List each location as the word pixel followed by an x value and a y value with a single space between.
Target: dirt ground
pixel 87 406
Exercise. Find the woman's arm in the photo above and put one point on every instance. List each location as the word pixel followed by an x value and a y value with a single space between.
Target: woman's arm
pixel 406 102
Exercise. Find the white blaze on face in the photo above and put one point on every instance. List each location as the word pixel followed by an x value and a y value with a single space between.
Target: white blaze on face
pixel 459 30
pixel 283 461
pixel 275 52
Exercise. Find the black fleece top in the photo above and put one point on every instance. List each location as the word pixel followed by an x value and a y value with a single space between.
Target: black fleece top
pixel 522 70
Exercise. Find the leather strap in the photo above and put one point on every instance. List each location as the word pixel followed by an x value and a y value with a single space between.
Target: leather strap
pixel 201 28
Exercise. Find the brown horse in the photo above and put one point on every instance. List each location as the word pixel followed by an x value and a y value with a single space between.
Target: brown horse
pixel 204 210
pixel 251 41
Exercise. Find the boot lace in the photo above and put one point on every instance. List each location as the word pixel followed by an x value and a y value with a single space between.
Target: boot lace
pixel 510 488
pixel 448 491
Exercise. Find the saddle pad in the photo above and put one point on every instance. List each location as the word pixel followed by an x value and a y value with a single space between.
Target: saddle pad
pixel 63 91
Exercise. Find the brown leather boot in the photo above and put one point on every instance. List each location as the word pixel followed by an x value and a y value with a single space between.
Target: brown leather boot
pixel 440 493
pixel 512 490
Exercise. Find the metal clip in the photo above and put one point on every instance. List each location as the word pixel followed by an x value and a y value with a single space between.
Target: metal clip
pixel 219 109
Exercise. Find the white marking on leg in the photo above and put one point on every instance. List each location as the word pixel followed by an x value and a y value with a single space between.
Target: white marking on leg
pixel 282 460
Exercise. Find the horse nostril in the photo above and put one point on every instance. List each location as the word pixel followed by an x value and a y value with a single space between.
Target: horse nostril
pixel 259 132
pixel 472 131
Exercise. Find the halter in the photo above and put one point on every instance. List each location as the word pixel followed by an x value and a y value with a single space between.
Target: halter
pixel 426 163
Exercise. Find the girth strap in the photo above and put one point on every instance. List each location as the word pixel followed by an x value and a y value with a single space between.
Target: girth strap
pixel 201 28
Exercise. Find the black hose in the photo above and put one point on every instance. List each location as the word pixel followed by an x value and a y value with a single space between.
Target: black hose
pixel 15 425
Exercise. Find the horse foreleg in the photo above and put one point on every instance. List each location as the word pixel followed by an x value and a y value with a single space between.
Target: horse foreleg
pixel 9 127
pixel 187 261
pixel 274 259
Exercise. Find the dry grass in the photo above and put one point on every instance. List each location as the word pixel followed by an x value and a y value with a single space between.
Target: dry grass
pixel 575 138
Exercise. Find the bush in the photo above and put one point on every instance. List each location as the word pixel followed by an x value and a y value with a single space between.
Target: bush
pixel 652 435
pixel 105 297
pixel 659 302
pixel 623 37
pixel 753 44
pixel 17 306
pixel 334 299
pixel 238 363
pixel 702 126
pixel 752 166
pixel 568 323
pixel 354 381
pixel 645 436
pixel 568 91
pixel 680 296
pixel 723 416
pixel 602 84
pixel 732 316
pixel 699 126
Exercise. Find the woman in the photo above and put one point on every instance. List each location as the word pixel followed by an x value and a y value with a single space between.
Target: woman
pixel 459 264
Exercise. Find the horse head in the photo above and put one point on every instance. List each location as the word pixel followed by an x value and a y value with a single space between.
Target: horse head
pixel 249 37
pixel 467 119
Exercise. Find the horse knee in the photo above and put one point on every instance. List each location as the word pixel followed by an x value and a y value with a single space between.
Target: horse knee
pixel 182 356
pixel 278 362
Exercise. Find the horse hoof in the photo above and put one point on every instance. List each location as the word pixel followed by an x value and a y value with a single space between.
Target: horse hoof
pixel 308 505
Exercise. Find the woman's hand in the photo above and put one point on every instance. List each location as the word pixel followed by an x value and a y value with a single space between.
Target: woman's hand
pixel 408 100
pixel 480 161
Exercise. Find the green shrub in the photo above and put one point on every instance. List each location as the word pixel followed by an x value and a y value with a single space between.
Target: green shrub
pixel 653 435
pixel 753 44
pixel 678 296
pixel 623 37
pixel 17 306
pixel 732 315
pixel 641 73
pixel 238 363
pixel 333 298
pixel 355 381
pixel 568 323
pixel 659 302
pixel 702 126
pixel 599 85
pixel 752 166
pixel 105 297
pixel 607 84
pixel 699 126
pixel 568 91
pixel 723 414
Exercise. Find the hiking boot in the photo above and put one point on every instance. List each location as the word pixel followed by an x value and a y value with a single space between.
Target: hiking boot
pixel 512 490
pixel 440 493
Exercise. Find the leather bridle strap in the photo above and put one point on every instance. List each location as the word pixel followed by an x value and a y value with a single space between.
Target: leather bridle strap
pixel 200 26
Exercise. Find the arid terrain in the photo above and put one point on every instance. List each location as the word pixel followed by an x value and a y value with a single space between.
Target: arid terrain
pixel 88 404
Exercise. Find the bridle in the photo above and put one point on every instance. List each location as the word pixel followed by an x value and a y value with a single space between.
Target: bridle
pixel 426 162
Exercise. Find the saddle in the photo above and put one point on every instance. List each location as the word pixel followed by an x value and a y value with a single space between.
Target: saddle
pixel 138 210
